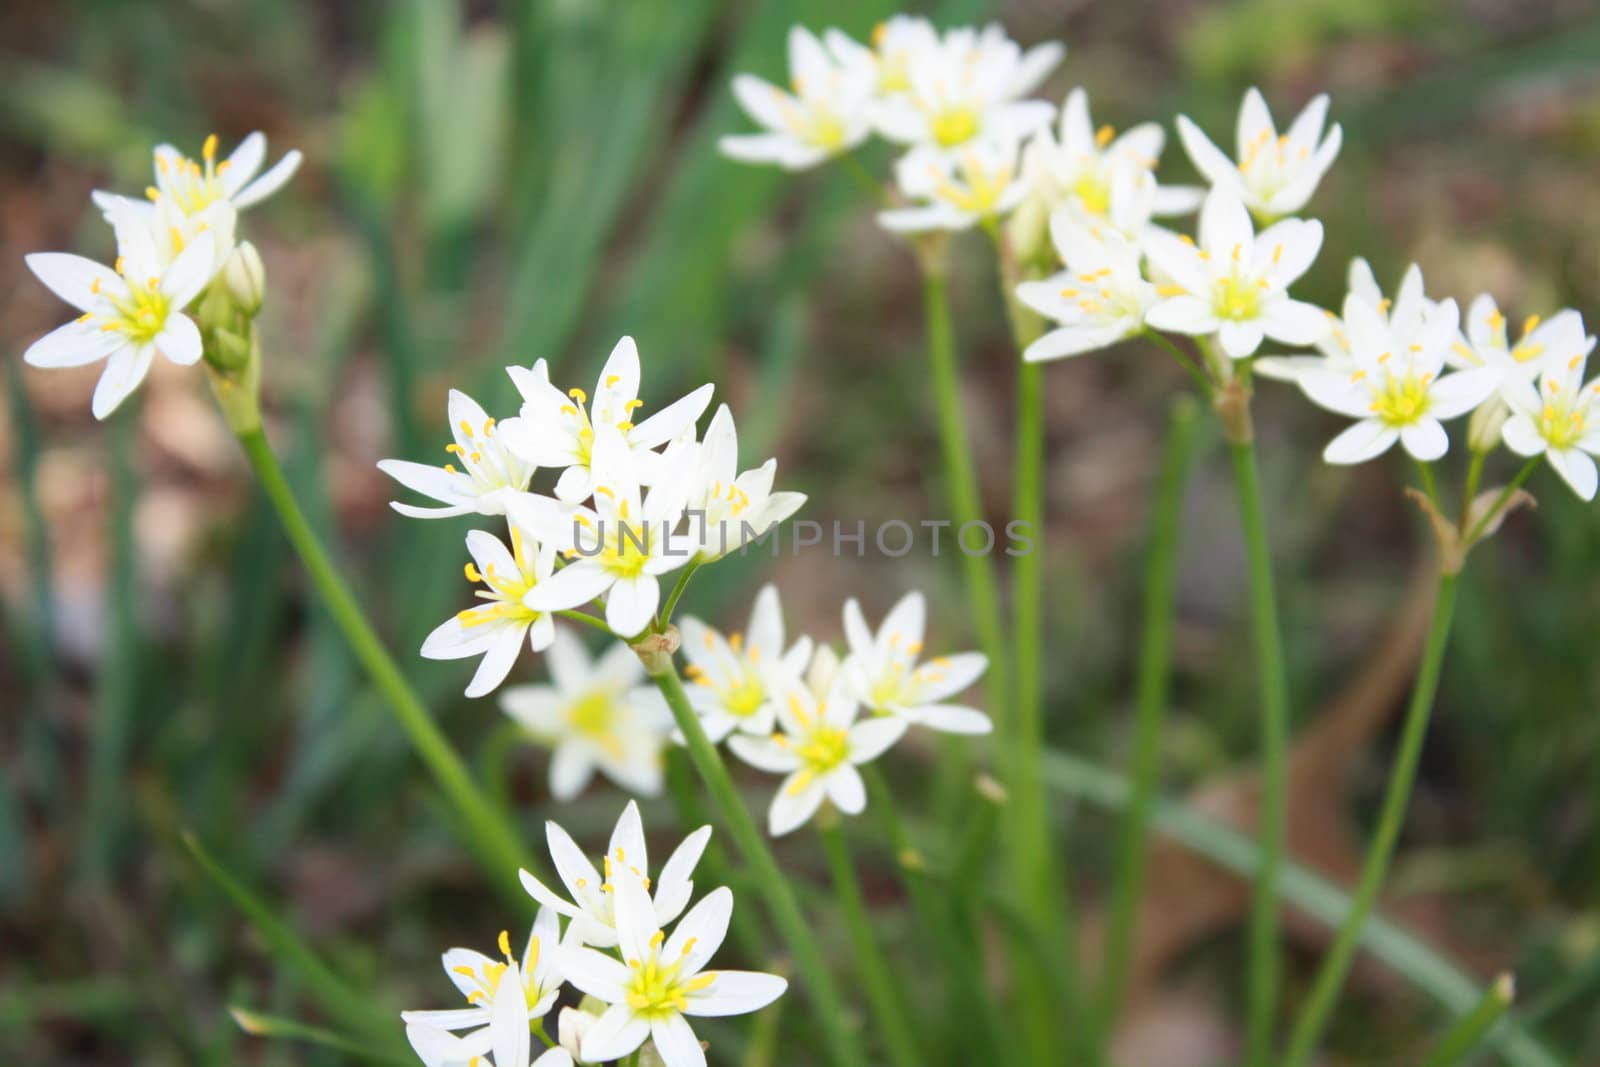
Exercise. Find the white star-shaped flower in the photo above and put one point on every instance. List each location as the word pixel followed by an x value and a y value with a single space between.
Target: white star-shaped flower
pixel 592 907
pixel 1560 419
pixel 955 190
pixel 1394 385
pixel 495 628
pixel 1100 299
pixel 886 674
pixel 661 982
pixel 731 690
pixel 595 715
pixel 727 509
pixel 488 471
pixel 1275 174
pixel 130 313
pixel 826 114
pixel 1235 284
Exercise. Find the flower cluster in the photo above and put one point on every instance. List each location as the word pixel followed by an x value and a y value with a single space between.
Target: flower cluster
pixel 175 249
pixel 643 983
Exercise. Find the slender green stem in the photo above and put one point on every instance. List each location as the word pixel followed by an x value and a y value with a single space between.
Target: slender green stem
pixel 1474 476
pixel 1155 672
pixel 1430 484
pixel 780 898
pixel 677 591
pixel 1265 965
pixel 1473 1026
pixel 490 835
pixel 587 619
pixel 1183 359
pixel 882 992
pixel 859 173
pixel 1330 978
pixel 1500 501
pixel 961 484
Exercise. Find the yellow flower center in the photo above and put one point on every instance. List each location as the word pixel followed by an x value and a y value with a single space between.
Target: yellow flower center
pixel 744 697
pixel 1238 298
pixel 192 186
pixel 1093 192
pixel 655 989
pixel 593 715
pixel 504 592
pixel 1403 399
pixel 954 125
pixel 142 314
pixel 824 748
pixel 1561 427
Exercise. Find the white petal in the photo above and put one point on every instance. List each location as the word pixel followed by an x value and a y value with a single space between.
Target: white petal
pixel 73 278
pixel 1576 469
pixel 873 737
pixel 268 183
pixel 1183 314
pixel 1224 222
pixel 635 915
pixel 1294 322
pixel 72 345
pixel 542 893
pixel 631 604
pixel 180 341
pixel 949 675
pixel 508 1021
pixel 675 1042
pixel 792 807
pixel 571 767
pixel 1522 436
pixel 764 754
pixel 1240 339
pixel 846 789
pixel 595 973
pixel 672 889
pixel 701 931
pixel 736 993
pixel 905 624
pixel 1425 439
pixel 572 586
pixel 497 660
pixel 1207 158
pixel 124 371
pixel 952 719
pixel 243 162
pixel 1336 391
pixel 614 1035
pixel 1361 442
pixel 1459 392
pixel 667 423
pixel 1255 122
pixel 1078 339
pixel 452 639
pixel 189 273
pixel 574 868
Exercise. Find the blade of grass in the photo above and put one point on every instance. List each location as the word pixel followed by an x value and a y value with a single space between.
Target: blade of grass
pixel 353 1007
pixel 1390 942
pixel 260 1024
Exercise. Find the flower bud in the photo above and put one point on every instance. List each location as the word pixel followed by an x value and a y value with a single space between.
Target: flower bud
pixel 1483 429
pixel 245 278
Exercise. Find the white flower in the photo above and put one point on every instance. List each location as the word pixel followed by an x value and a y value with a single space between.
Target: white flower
pixel 619 548
pixel 885 675
pixel 660 980
pixel 825 116
pixel 1394 386
pixel 1546 345
pixel 592 907
pixel 730 690
pixel 483 981
pixel 1559 418
pixel 726 509
pixel 819 749
pixel 888 62
pixel 558 430
pixel 572 1025
pixel 1275 175
pixel 129 313
pixel 508 1038
pixel 1235 284
pixel 955 191
pixel 1101 177
pixel 969 87
pixel 489 470
pixel 594 715
pixel 1101 297
pixel 495 629
pixel 1405 315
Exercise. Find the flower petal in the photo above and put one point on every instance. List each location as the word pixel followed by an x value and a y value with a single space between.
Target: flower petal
pixel 736 993
pixel 1361 442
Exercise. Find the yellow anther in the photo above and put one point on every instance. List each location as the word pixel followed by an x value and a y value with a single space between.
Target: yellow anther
pixel 152 192
pixel 505 944
pixel 1277 254
pixel 579 395
pixel 630 405
pixel 177 238
pixel 612 379
pixel 1104 135
pixel 1530 324
pixel 1186 239
pixel 455 449
pixel 209 149
pixel 568 409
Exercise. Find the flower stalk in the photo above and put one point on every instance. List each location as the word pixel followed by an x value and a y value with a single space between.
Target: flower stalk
pixel 882 991
pixel 1330 978
pixel 843 1048
pixel 487 831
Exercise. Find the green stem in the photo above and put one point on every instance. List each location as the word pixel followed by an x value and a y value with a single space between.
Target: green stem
pixel 1430 484
pixel 490 835
pixel 1155 673
pixel 882 992
pixel 1265 965
pixel 1471 1027
pixel 587 619
pixel 1500 501
pixel 1330 979
pixel 774 886
pixel 1183 359
pixel 1474 476
pixel 961 484
pixel 677 591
